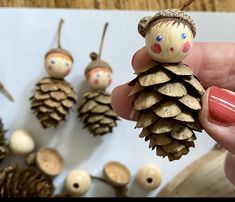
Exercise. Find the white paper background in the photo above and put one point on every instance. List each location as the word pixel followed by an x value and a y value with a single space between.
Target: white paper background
pixel 27 34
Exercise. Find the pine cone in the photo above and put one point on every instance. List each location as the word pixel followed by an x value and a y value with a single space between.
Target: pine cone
pixel 96 112
pixel 17 181
pixel 168 99
pixel 3 148
pixel 52 100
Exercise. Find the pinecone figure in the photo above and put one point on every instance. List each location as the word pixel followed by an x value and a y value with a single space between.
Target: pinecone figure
pixel 52 101
pixel 54 97
pixel 18 181
pixel 96 112
pixel 3 148
pixel 167 93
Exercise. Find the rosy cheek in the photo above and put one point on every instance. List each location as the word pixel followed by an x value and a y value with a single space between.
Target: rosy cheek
pixel 49 67
pixel 156 48
pixel 68 70
pixel 186 47
pixel 110 81
pixel 97 82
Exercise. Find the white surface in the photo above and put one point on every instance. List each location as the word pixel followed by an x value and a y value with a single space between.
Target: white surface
pixel 26 35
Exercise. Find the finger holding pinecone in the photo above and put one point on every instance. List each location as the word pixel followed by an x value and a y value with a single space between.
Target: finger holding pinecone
pixel 53 96
pixel 167 94
pixel 95 110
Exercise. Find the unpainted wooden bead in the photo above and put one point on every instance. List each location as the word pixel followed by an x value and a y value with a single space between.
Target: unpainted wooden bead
pixel 169 42
pixel 117 173
pixel 149 177
pixel 77 182
pixel 21 142
pixel 58 65
pixel 49 161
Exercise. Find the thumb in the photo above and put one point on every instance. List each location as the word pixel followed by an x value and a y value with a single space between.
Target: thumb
pixel 217 116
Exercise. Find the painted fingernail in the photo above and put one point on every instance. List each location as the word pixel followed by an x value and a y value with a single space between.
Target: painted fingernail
pixel 132 60
pixel 221 105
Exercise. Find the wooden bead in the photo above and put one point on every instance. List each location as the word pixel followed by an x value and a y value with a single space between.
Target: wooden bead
pixel 21 142
pixel 49 161
pixel 58 65
pixel 117 174
pixel 149 177
pixel 99 78
pixel 77 182
pixel 169 42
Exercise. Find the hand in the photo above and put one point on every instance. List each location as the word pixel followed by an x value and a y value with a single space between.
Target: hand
pixel 214 64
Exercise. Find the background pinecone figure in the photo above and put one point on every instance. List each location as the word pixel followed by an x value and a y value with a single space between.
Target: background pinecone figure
pixel 167 93
pixel 18 181
pixel 96 112
pixel 52 101
pixel 95 109
pixel 3 148
pixel 54 97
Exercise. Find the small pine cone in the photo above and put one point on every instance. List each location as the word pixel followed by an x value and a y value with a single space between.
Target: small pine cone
pixel 3 148
pixel 168 99
pixel 96 112
pixel 18 181
pixel 52 101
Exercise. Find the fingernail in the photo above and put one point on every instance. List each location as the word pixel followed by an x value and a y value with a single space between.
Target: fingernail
pixel 132 60
pixel 221 105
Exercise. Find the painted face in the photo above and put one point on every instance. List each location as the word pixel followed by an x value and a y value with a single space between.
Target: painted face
pixel 169 43
pixel 58 65
pixel 99 78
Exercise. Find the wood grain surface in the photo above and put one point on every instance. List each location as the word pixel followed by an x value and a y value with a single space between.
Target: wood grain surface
pixel 198 5
pixel 203 178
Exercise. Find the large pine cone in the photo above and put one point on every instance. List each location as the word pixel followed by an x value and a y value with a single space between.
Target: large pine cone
pixel 96 112
pixel 52 101
pixel 168 99
pixel 3 148
pixel 17 181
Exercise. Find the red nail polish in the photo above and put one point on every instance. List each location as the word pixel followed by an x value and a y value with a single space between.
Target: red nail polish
pixel 133 59
pixel 221 106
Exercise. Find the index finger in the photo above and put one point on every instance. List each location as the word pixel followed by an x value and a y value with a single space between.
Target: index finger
pixel 213 63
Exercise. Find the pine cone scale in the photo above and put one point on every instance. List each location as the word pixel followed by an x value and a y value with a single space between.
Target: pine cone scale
pixel 96 113
pixel 52 101
pixel 17 181
pixel 168 122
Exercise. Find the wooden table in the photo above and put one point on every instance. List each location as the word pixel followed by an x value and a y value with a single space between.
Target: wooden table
pixel 198 5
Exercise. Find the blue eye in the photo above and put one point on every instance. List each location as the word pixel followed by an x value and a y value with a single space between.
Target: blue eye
pixel 183 36
pixel 159 38
pixel 52 62
pixel 66 64
pixel 97 75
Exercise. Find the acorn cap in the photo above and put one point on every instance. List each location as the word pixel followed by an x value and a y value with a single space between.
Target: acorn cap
pixel 96 63
pixel 171 14
pixel 117 174
pixel 59 50
pixel 49 161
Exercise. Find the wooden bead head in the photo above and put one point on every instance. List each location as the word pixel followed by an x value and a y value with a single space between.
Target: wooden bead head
pixel 58 63
pixel 98 73
pixel 168 35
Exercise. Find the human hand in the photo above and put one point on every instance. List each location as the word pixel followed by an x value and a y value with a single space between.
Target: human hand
pixel 214 64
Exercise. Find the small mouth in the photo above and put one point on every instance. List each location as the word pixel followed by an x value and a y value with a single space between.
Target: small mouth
pixel 172 49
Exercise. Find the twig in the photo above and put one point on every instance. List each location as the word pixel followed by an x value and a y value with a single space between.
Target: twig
pixel 186 4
